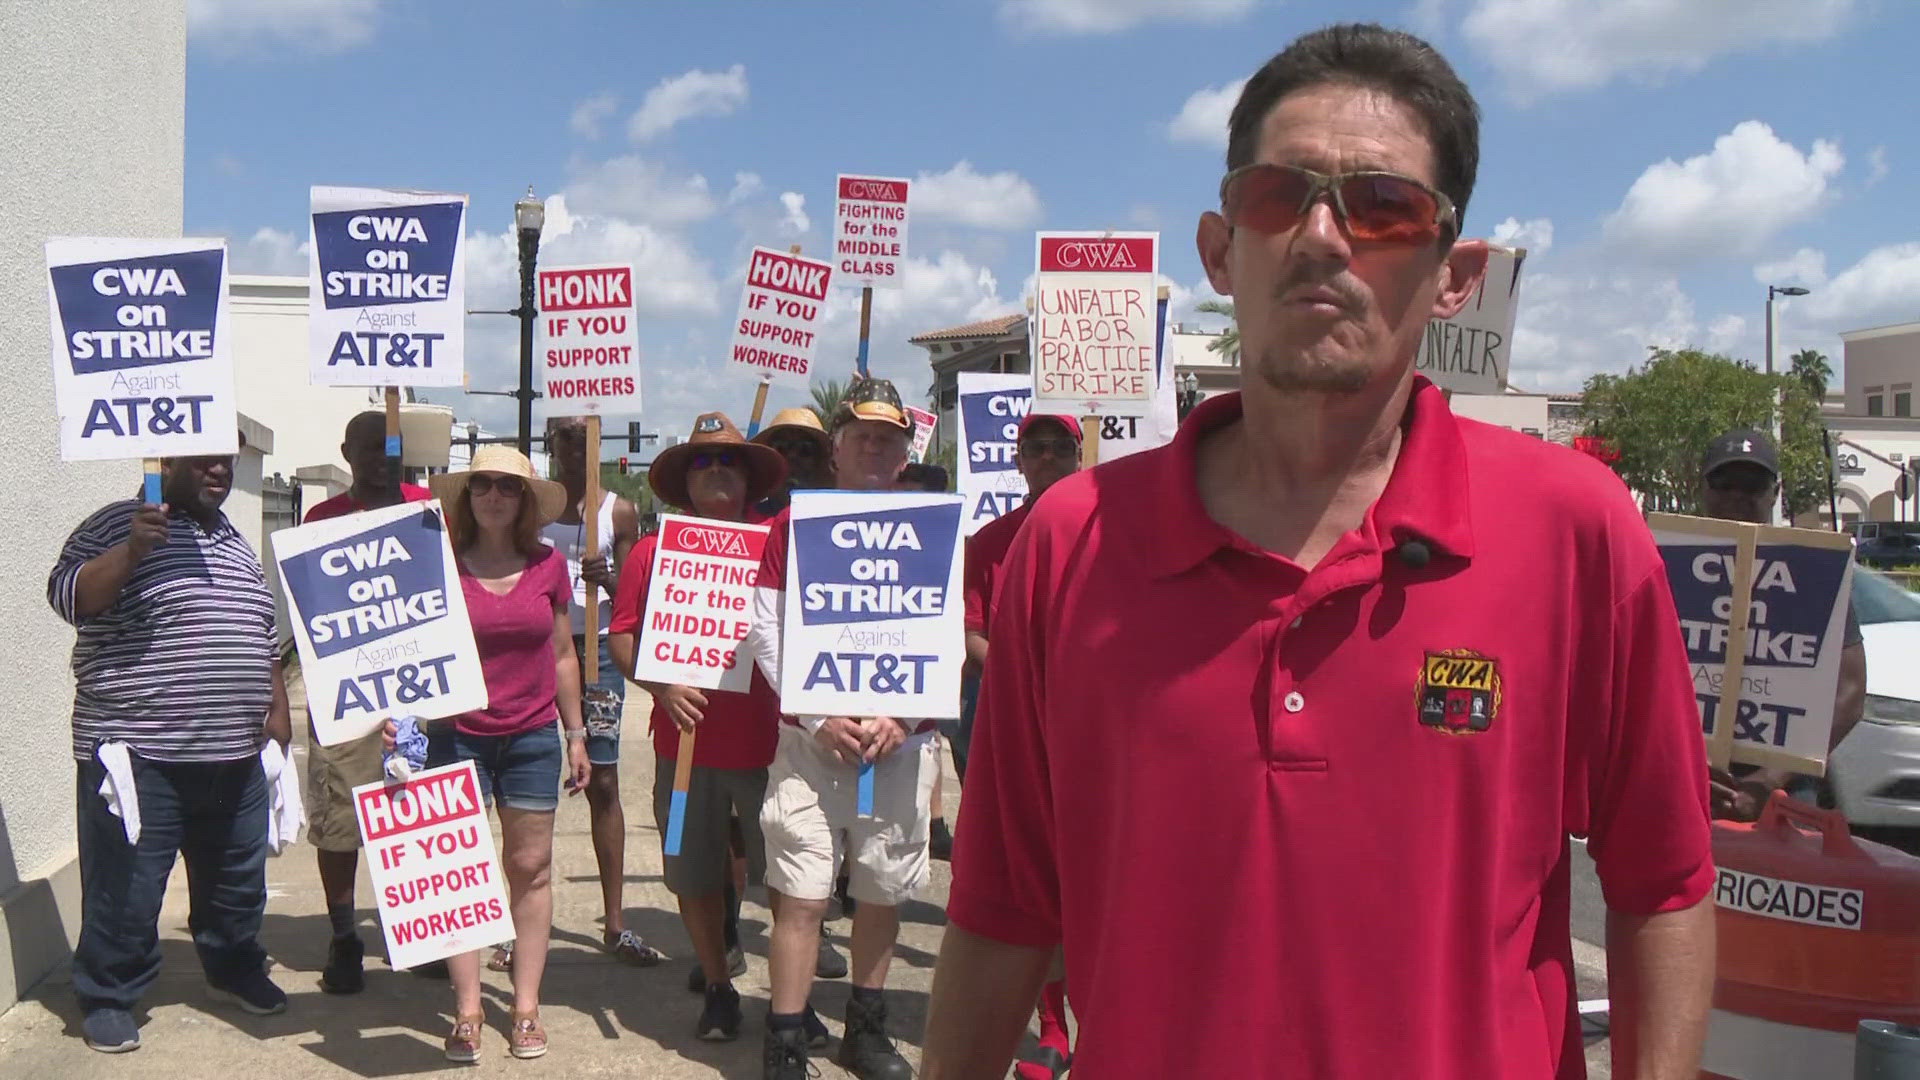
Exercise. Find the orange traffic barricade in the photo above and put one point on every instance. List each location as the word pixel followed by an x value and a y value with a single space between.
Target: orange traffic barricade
pixel 1817 932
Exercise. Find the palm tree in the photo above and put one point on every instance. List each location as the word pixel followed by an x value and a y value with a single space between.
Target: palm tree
pixel 1227 344
pixel 827 396
pixel 1810 366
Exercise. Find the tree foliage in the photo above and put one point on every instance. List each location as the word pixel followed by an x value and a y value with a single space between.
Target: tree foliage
pixel 827 395
pixel 1660 416
pixel 1810 366
pixel 1227 342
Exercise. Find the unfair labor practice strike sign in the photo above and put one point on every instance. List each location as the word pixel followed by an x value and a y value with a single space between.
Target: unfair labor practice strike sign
pixel 923 424
pixel 1093 334
pixel 990 410
pixel 590 340
pixel 1469 353
pixel 782 309
pixel 1782 593
pixel 380 620
pixel 873 606
pixel 387 289
pixel 700 604
pixel 142 355
pixel 436 877
pixel 870 230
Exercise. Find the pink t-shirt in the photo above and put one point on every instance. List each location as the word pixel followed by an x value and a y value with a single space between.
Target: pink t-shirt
pixel 515 636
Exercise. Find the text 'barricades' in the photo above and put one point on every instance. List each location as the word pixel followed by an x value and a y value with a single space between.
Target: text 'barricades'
pixel 990 410
pixel 589 340
pixel 380 620
pixel 873 617
pixel 1093 334
pixel 870 230
pixel 782 309
pixel 435 874
pixel 700 604
pixel 386 295
pixel 142 355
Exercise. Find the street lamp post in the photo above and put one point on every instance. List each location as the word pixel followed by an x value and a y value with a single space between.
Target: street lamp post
pixel 1187 393
pixel 1772 291
pixel 529 215
pixel 1779 398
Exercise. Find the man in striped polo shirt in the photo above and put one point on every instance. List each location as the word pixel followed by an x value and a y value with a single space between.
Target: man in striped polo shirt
pixel 177 684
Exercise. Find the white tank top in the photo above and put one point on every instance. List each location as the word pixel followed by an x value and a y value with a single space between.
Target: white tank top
pixel 571 540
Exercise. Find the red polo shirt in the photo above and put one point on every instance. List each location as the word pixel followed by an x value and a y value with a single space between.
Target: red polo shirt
pixel 737 731
pixel 1315 823
pixel 344 503
pixel 986 550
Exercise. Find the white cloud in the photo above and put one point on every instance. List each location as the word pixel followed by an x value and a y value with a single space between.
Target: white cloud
pixel 745 185
pixel 1110 16
pixel 1876 165
pixel 1726 334
pixel 1803 267
pixel 1752 185
pixel 318 26
pixel 1203 119
pixel 591 113
pixel 1882 288
pixel 1573 324
pixel 684 97
pixel 796 206
pixel 1003 200
pixel 1543 46
pixel 1533 234
pixel 634 188
pixel 270 251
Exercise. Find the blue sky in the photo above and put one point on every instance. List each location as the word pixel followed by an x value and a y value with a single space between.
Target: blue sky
pixel 1660 163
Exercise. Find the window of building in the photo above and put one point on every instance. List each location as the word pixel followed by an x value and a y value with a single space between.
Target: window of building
pixel 1875 405
pixel 1903 403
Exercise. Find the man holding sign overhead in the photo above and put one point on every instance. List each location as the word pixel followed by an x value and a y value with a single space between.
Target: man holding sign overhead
pixel 685 595
pixel 1349 666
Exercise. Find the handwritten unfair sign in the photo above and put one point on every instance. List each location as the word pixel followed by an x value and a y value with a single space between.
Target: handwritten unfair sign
pixel 1781 595
pixel 873 617
pixel 387 295
pixel 380 620
pixel 142 359
pixel 1094 331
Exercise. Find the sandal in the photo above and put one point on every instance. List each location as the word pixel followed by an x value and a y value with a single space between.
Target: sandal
pixel 502 959
pixel 632 948
pixel 527 1039
pixel 463 1042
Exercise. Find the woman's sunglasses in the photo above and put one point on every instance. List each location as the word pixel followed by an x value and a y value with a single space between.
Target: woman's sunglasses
pixel 509 486
pixel 1381 207
pixel 707 459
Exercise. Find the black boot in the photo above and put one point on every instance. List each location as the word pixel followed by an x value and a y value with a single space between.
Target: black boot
pixel 785 1055
pixel 865 1049
pixel 345 972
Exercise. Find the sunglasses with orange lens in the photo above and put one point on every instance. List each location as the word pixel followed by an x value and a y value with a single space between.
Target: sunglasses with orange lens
pixel 1379 207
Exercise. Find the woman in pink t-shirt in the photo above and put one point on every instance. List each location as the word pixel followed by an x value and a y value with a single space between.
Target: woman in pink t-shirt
pixel 517 595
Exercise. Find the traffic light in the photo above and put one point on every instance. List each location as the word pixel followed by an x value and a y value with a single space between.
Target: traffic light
pixel 623 465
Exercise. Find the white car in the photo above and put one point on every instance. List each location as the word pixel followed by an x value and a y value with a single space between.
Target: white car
pixel 1875 773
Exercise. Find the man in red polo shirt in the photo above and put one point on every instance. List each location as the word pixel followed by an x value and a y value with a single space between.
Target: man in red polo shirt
pixel 334 771
pixel 1345 667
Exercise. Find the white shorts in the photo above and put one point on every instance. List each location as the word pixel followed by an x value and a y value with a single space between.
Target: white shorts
pixel 811 822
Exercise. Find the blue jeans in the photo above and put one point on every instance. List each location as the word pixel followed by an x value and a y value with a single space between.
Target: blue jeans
pixel 213 814
pixel 960 734
pixel 601 703
pixel 520 772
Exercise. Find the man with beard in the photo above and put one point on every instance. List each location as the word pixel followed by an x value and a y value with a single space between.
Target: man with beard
pixel 177 683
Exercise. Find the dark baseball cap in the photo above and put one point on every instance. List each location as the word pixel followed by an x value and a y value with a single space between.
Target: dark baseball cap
pixel 1741 445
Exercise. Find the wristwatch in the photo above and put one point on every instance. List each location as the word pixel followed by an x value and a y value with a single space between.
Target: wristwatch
pixel 573 734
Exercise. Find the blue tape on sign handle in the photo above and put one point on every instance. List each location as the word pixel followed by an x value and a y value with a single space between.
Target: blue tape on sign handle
pixel 153 488
pixel 753 427
pixel 393 446
pixel 863 356
pixel 865 795
pixel 676 821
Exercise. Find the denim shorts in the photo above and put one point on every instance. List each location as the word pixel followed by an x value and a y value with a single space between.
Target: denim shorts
pixel 601 703
pixel 521 772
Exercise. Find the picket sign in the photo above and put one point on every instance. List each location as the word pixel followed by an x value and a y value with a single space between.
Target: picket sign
pixel 386 291
pixel 435 874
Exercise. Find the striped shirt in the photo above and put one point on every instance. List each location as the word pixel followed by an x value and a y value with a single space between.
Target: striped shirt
pixel 180 668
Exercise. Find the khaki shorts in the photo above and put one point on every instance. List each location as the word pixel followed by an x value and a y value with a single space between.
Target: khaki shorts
pixel 332 774
pixel 811 821
pixel 715 797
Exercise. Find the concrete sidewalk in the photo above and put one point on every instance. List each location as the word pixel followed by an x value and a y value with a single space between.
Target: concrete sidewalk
pixel 603 1018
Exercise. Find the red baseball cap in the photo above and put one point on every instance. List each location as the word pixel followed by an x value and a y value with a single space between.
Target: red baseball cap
pixel 1072 425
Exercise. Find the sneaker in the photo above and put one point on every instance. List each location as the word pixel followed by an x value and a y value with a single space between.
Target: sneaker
pixel 345 972
pixel 720 1019
pixel 830 965
pixel 253 992
pixel 940 844
pixel 784 1056
pixel 817 1034
pixel 866 1051
pixel 111 1031
pixel 736 967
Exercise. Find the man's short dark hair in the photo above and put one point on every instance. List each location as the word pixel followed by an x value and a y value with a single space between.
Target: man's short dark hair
pixel 1373 57
pixel 929 477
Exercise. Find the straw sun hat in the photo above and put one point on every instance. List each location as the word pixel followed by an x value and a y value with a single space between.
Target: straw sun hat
pixel 550 496
pixel 714 432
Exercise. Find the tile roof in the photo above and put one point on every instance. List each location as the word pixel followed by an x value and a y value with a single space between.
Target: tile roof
pixel 995 327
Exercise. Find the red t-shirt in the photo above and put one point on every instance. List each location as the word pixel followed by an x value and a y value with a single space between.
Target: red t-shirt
pixel 344 503
pixel 986 550
pixel 515 636
pixel 1362 777
pixel 738 731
